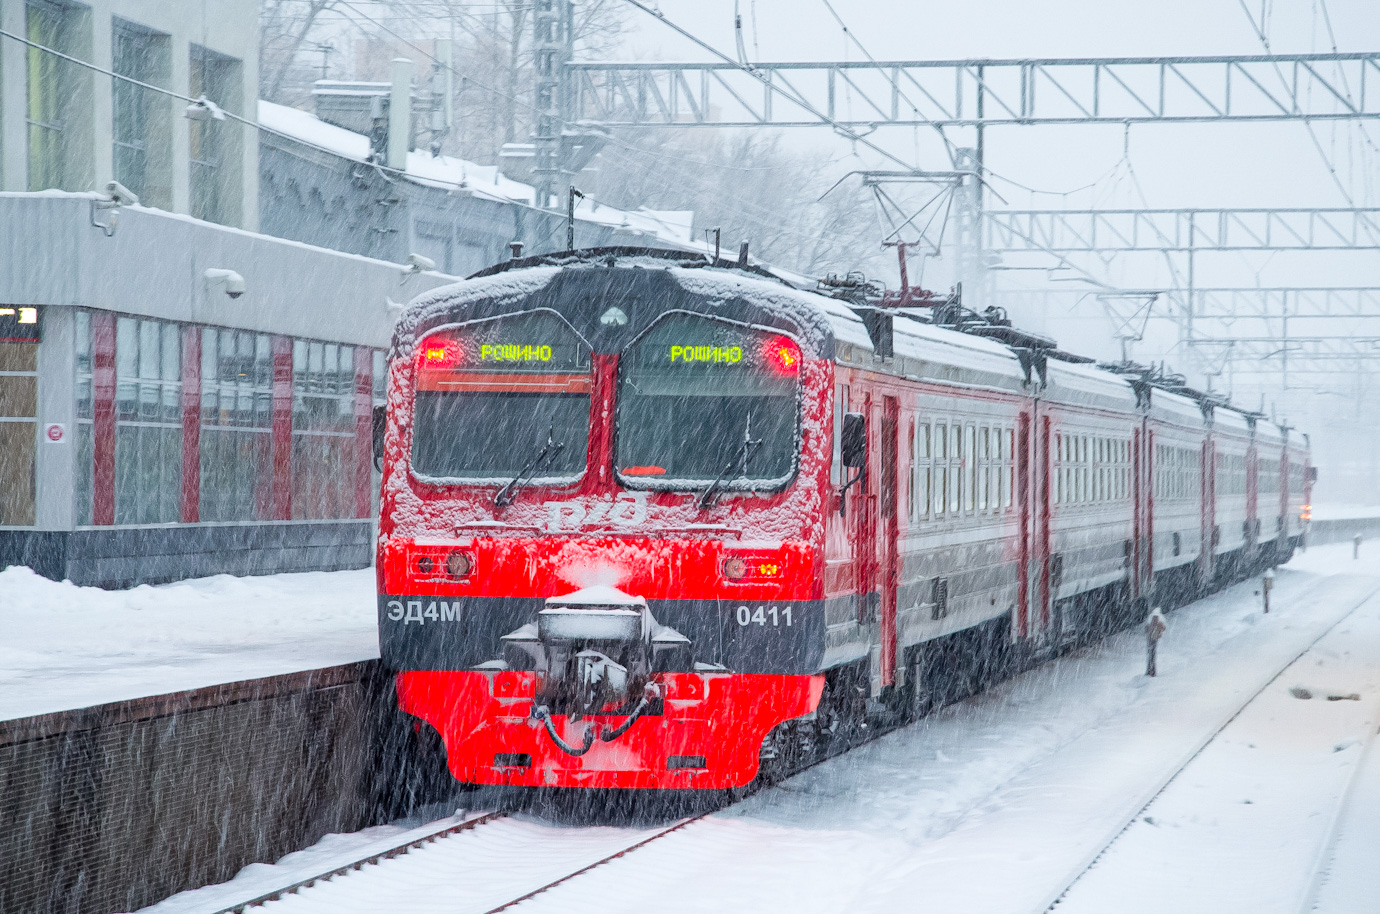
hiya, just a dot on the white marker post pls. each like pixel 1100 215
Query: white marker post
pixel 1155 627
pixel 1266 586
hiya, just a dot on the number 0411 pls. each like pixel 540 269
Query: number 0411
pixel 764 615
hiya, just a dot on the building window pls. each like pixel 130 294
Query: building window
pixel 141 123
pixel 52 84
pixel 18 431
pixel 236 425
pixel 323 430
pixel 148 422
pixel 214 169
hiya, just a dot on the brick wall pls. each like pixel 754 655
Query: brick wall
pixel 115 807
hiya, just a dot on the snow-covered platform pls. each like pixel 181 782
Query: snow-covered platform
pixel 67 647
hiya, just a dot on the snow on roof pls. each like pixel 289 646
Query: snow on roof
pixel 674 227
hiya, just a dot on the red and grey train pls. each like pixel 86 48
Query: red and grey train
pixel 648 521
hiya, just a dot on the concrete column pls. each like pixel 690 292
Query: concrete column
pixel 14 146
pixel 55 463
pixel 400 114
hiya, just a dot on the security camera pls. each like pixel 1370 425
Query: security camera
pixel 121 195
pixel 232 281
pixel 416 263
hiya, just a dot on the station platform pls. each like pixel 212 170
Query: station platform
pixel 69 647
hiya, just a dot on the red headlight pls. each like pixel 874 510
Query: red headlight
pixel 459 564
pixel 782 354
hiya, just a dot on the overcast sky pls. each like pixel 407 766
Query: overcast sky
pixel 1193 166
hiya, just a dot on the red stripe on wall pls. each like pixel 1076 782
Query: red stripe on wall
pixel 103 417
pixel 364 429
pixel 191 425
pixel 282 428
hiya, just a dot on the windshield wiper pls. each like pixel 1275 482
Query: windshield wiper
pixel 707 500
pixel 505 495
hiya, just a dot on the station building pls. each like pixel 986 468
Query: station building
pixel 179 398
pixel 187 382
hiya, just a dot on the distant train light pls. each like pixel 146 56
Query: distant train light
pixel 782 354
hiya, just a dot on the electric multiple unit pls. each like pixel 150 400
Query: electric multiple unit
pixel 648 521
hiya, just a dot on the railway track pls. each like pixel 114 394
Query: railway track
pixel 1062 887
pixel 387 853
pixel 575 862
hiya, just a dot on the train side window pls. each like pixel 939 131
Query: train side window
pixel 1008 476
pixel 1059 469
pixel 910 486
pixel 941 468
pixel 970 460
pixel 1097 470
pixel 921 483
pixel 1076 469
pixel 994 498
pixel 1081 444
pixel 955 468
pixel 985 462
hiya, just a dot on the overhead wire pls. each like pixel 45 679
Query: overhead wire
pixel 771 85
pixel 949 146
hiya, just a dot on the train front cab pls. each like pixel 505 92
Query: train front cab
pixel 621 587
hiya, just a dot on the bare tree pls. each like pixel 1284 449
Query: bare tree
pixel 284 28
pixel 753 187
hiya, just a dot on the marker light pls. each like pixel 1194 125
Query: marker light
pixel 431 563
pixel 745 568
pixel 782 354
pixel 439 352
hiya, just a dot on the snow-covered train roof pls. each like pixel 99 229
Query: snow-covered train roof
pixel 1176 409
pixel 827 326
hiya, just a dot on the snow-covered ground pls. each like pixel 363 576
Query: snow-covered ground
pixel 993 804
pixel 65 646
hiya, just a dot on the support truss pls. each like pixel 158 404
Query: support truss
pixel 955 93
pixel 1155 230
pixel 1226 304
pixel 1270 356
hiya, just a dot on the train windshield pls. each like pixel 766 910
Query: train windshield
pixel 501 397
pixel 701 399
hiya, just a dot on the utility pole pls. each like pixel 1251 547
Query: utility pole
pixel 552 21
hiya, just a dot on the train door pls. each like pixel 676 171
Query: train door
pixel 1024 487
pixel 1252 494
pixel 1209 509
pixel 865 561
pixel 1043 469
pixel 888 521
